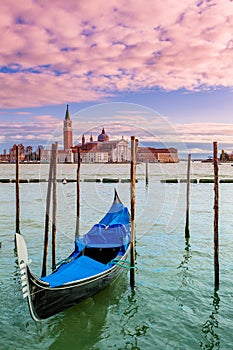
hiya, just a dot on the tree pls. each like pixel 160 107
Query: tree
pixel 29 153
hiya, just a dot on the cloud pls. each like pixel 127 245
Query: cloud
pixel 195 150
pixel 53 52
pixel 23 113
pixel 205 132
pixel 118 119
pixel 38 130
pixel 125 119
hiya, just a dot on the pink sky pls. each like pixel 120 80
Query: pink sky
pixel 100 47
pixel 54 52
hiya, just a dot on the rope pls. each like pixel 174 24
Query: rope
pixel 123 263
pixel 63 261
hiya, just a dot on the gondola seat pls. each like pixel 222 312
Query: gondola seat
pixel 76 269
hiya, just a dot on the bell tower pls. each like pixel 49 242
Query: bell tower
pixel 67 131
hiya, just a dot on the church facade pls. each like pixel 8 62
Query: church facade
pixel 104 150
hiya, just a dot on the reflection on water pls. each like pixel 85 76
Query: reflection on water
pixel 210 327
pixel 81 326
pixel 184 263
pixel 133 333
pixel 126 326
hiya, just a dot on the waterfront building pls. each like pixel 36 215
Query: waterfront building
pixel 103 150
pixel 65 156
pixel 5 157
pixel 161 155
pixel 167 155
pixel 94 156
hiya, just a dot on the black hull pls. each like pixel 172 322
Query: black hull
pixel 98 248
pixel 45 301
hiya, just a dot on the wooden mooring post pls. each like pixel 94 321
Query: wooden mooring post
pixel 54 218
pixel 133 204
pixel 187 232
pixel 78 197
pixel 147 176
pixel 216 215
pixel 17 224
pixel 47 216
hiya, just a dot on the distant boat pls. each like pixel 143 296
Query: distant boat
pixel 97 260
pixel 208 160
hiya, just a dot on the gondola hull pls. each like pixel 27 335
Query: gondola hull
pixel 97 260
pixel 45 301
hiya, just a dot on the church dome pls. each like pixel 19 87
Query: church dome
pixel 103 136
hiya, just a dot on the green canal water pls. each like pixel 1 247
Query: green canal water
pixel 174 305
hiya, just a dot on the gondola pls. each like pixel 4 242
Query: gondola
pixel 97 260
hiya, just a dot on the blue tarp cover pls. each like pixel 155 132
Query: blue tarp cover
pixel 82 267
pixel 117 214
pixel 112 231
pixel 106 236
